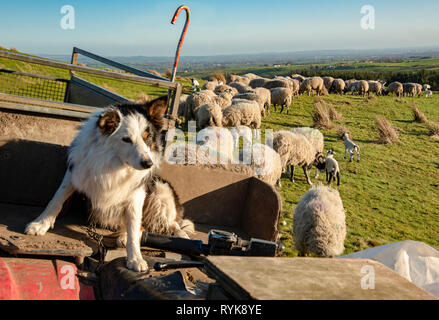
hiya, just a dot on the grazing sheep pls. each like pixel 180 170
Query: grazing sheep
pixel 281 97
pixel 312 84
pixel 332 168
pixel 196 100
pixel 253 96
pixel 338 86
pixel 298 77
pixel 315 137
pixel 360 86
pixel 210 85
pixel 225 88
pixel 375 87
pixel 350 146
pixel 241 131
pixel 294 150
pixel 426 87
pixel 258 83
pixel 264 161
pixel 409 89
pixel 246 114
pixel 319 223
pixel 327 81
pixel 277 83
pixel 348 85
pixel 236 78
pixel 242 88
pixel 182 107
pixel 265 95
pixel 209 114
pixel 418 89
pixel 396 88
pixel 428 93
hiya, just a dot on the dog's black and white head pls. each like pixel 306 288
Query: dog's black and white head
pixel 132 131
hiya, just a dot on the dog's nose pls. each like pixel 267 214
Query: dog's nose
pixel 146 164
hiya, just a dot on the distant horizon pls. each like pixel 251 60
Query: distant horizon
pixel 426 47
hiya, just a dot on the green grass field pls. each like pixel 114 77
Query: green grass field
pixel 391 195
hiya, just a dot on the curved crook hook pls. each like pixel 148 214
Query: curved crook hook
pixel 180 42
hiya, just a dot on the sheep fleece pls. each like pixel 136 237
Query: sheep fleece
pixel 319 223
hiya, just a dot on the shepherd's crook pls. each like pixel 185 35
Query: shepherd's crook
pixel 177 54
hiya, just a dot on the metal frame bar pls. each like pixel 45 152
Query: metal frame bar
pixel 113 63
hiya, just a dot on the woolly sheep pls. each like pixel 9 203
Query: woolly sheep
pixel 298 77
pixel 242 88
pixel 246 114
pixel 319 223
pixel 315 137
pixel 312 84
pixel 360 86
pixel 236 78
pixel 332 168
pixel 209 114
pixel 418 89
pixel 265 95
pixel 182 107
pixel 409 89
pixel 396 88
pixel 281 97
pixel 294 150
pixel 253 96
pixel 338 86
pixel 375 87
pixel 265 162
pixel 196 100
pixel 277 83
pixel 210 85
pixel 225 88
pixel 258 83
pixel 426 87
pixel 327 81
pixel 218 139
pixel 348 85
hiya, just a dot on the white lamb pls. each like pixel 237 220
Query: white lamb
pixel 428 93
pixel 350 146
pixel 319 223
pixel 332 168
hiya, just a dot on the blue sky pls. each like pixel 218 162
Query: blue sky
pixel 217 27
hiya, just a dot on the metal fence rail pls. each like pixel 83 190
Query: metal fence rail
pixel 33 86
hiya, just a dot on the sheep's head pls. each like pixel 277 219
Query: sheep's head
pixel 320 161
pixel 330 152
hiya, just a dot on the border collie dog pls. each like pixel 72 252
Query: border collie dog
pixel 113 161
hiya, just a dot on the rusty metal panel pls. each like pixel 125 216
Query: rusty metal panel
pixel 309 279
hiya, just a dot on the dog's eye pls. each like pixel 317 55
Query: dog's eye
pixel 127 140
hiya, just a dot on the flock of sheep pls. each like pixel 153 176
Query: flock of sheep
pixel 319 219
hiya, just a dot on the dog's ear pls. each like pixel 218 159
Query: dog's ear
pixel 156 109
pixel 108 121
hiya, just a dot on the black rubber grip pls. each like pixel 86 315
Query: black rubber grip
pixel 174 244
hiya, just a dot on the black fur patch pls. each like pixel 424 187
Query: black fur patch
pixel 108 121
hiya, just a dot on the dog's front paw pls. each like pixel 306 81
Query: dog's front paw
pixel 137 264
pixel 38 228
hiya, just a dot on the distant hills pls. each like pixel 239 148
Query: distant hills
pixel 194 63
